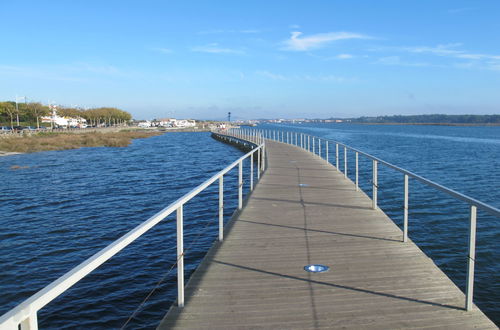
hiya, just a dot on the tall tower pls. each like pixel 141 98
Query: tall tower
pixel 229 116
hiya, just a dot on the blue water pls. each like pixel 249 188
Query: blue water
pixel 466 159
pixel 61 207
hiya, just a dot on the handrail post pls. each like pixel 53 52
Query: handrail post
pixel 259 166
pixel 240 185
pixel 374 185
pixel 405 211
pixel 180 257
pixel 319 148
pixel 357 170
pixel 327 151
pixel 302 140
pixel 263 158
pixel 345 162
pixel 314 146
pixel 309 143
pixel 337 156
pixel 221 208
pixel 471 260
pixel 251 172
pixel 30 323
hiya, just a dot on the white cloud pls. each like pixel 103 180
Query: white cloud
pixel 315 41
pixel 396 60
pixel 315 78
pixel 344 56
pixel 220 31
pixel 460 10
pixel 214 48
pixel 77 72
pixel 250 31
pixel 163 50
pixel 451 51
pixel 272 76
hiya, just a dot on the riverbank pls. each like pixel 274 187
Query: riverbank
pixel 63 141
pixel 429 124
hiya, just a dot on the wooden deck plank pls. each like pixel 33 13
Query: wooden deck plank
pixel 255 278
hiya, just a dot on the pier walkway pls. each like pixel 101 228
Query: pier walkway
pixel 303 211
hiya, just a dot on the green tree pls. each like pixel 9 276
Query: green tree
pixel 37 110
pixel 9 109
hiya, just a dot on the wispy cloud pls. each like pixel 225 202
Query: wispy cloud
pixel 271 75
pixel 344 56
pixel 397 61
pixel 315 41
pixel 479 60
pixel 460 10
pixel 214 48
pixel 317 78
pixel 221 31
pixel 65 72
pixel 163 50
pixel 451 51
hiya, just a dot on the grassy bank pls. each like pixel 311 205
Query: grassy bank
pixel 62 141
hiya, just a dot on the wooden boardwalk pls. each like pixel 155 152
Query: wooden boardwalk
pixel 302 212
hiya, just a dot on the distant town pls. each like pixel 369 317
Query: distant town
pixel 16 116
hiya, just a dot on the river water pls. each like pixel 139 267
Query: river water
pixel 58 208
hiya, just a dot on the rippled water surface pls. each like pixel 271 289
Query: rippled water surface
pixel 58 208
pixel 466 159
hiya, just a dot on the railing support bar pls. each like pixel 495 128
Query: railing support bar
pixel 337 156
pixel 221 208
pixel 180 257
pixel 251 172
pixel 259 166
pixel 345 162
pixel 240 185
pixel 374 185
pixel 31 323
pixel 471 258
pixel 327 151
pixel 356 160
pixel 405 210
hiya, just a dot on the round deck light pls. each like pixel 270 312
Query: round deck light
pixel 303 185
pixel 316 268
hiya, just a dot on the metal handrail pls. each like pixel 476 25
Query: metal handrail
pixel 303 141
pixel 24 315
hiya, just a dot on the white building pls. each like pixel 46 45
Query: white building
pixel 144 124
pixel 57 121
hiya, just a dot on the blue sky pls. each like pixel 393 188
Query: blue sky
pixel 257 59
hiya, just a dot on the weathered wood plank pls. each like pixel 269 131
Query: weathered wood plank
pixel 255 278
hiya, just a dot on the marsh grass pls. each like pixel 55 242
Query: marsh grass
pixel 63 141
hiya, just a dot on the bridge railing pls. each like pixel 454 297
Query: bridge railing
pixel 316 145
pixel 24 316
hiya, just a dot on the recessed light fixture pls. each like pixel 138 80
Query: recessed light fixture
pixel 316 268
pixel 303 185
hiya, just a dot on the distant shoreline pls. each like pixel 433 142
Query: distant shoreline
pixel 427 124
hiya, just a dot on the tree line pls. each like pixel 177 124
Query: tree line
pixel 33 111
pixel 431 119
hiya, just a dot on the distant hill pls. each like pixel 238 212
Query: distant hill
pixel 431 119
